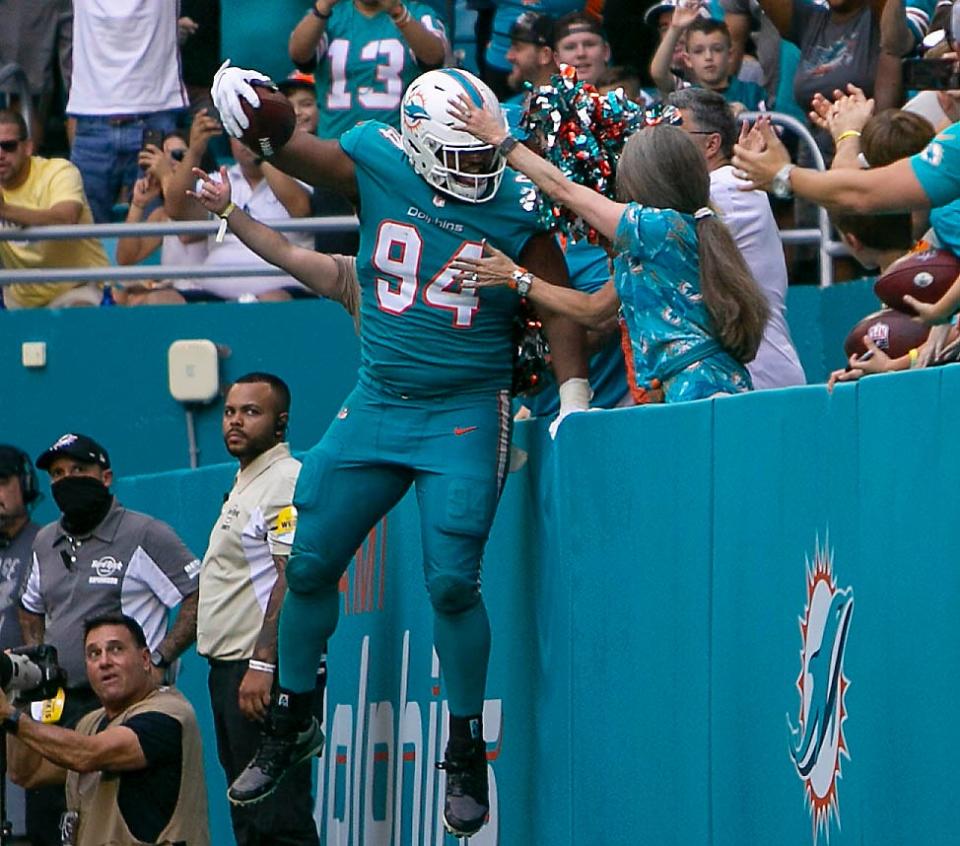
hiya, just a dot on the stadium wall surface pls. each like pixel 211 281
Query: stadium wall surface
pixel 671 590
pixel 106 372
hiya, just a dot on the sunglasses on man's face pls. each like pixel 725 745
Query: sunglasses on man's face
pixel 10 146
pixel 177 155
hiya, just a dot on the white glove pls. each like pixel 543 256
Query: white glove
pixel 575 395
pixel 229 85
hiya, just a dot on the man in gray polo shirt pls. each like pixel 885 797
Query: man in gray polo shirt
pixel 99 558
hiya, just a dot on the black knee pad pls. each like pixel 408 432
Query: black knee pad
pixel 453 594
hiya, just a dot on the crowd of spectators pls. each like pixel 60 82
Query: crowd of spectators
pixel 133 144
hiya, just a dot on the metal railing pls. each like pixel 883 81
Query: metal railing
pixel 821 235
pixel 14 73
pixel 334 224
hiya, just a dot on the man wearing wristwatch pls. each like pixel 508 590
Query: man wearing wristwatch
pixel 242 584
pixel 99 558
pixel 364 54
pixel 132 768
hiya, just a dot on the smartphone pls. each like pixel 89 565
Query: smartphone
pixel 152 136
pixel 931 74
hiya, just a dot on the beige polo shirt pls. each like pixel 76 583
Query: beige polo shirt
pixel 238 573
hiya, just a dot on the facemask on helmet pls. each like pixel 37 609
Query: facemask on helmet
pixel 450 160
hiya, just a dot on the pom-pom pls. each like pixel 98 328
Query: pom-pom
pixel 582 132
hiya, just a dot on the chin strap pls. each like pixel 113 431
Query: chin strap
pixel 575 395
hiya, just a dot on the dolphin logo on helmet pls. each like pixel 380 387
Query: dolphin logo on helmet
pixel 449 159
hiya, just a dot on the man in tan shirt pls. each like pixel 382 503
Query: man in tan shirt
pixel 35 191
pixel 133 769
pixel 241 589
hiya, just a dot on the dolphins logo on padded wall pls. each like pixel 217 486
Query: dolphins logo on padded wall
pixel 817 742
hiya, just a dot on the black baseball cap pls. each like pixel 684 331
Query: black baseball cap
pixel 577 22
pixel 533 28
pixel 80 447
pixel 298 79
pixel 11 461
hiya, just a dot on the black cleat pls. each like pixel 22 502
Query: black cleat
pixel 277 754
pixel 467 801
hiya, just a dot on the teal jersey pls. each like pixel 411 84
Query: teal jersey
pixel 422 334
pixel 937 167
pixel 751 95
pixel 364 67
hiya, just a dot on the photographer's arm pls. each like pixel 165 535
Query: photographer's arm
pixel 28 768
pixel 115 749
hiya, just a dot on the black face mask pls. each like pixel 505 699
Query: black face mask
pixel 83 500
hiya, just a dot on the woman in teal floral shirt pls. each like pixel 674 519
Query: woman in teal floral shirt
pixel 694 315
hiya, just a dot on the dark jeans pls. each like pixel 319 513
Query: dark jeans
pixel 105 151
pixel 45 805
pixel 285 818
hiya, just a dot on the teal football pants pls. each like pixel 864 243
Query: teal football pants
pixel 455 451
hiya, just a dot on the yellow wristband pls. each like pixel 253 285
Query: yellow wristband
pixel 230 209
pixel 914 355
pixel 850 133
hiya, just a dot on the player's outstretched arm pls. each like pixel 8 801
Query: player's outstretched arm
pixel 317 271
pixel 319 162
pixel 602 214
pixel 567 339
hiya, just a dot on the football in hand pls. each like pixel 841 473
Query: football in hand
pixel 892 331
pixel 925 275
pixel 271 124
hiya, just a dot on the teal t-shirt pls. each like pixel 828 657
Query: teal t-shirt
pixel 750 94
pixel 365 65
pixel 422 334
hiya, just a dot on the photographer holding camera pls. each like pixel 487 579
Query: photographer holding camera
pixel 133 769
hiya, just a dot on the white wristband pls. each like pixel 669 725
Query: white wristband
pixel 575 395
pixel 261 666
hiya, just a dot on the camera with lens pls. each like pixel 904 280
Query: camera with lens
pixel 31 673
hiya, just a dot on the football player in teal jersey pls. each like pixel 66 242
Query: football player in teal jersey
pixel 366 53
pixel 431 408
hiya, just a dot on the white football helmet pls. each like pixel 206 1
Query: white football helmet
pixel 451 160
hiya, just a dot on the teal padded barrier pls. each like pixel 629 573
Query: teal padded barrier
pixel 646 578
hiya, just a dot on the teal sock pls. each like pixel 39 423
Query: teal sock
pixel 307 620
pixel 463 644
